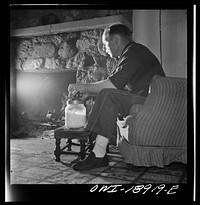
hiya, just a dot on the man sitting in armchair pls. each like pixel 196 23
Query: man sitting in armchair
pixel 128 85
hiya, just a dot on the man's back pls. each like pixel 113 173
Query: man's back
pixel 136 68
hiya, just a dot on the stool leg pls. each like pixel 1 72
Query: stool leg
pixel 107 148
pixel 69 141
pixel 57 150
pixel 82 151
pixel 91 143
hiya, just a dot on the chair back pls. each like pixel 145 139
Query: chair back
pixel 163 119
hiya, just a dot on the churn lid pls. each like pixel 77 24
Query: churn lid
pixel 75 102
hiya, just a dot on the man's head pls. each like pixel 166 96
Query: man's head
pixel 115 38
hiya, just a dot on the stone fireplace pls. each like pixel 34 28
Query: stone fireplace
pixel 45 59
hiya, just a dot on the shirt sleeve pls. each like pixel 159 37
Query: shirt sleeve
pixel 126 70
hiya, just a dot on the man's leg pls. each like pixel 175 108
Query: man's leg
pixel 110 102
pixel 102 120
pixel 100 146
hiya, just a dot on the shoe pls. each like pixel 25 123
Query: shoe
pixel 91 162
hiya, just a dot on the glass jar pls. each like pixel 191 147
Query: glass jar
pixel 75 114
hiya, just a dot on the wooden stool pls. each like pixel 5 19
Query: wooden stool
pixel 84 137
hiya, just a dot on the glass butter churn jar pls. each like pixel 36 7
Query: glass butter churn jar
pixel 75 113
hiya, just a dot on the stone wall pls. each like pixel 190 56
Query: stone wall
pixel 73 50
pixel 81 50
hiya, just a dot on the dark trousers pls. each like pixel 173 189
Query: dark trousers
pixel 109 103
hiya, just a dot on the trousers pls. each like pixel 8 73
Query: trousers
pixel 108 105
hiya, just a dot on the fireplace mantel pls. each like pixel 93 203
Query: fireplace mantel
pixel 94 23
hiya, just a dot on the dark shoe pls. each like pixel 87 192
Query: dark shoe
pixel 91 162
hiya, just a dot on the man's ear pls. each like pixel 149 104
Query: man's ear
pixel 117 39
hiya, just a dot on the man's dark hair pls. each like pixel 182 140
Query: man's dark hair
pixel 121 30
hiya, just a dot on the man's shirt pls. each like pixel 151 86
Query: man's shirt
pixel 137 66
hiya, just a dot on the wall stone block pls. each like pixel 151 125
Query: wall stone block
pixel 51 63
pixel 66 51
pixel 45 50
pixel 32 64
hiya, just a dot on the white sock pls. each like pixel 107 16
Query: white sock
pixel 100 146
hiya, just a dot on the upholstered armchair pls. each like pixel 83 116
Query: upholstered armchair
pixel 155 133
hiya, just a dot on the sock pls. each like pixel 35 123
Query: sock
pixel 100 146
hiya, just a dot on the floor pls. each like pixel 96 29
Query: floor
pixel 32 161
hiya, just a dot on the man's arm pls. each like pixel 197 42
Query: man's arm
pixel 94 87
pixel 98 86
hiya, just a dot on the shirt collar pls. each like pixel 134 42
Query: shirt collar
pixel 126 46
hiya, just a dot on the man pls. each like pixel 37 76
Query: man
pixel 128 85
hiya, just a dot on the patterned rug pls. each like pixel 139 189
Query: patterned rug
pixel 120 172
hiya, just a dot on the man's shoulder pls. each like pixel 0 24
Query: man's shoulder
pixel 132 46
pixel 136 45
pixel 133 49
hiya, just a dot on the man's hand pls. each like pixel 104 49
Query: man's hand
pixel 74 88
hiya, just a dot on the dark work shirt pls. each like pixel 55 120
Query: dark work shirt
pixel 137 66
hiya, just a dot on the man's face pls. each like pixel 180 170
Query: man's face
pixel 110 47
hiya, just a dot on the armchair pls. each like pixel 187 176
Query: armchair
pixel 155 133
